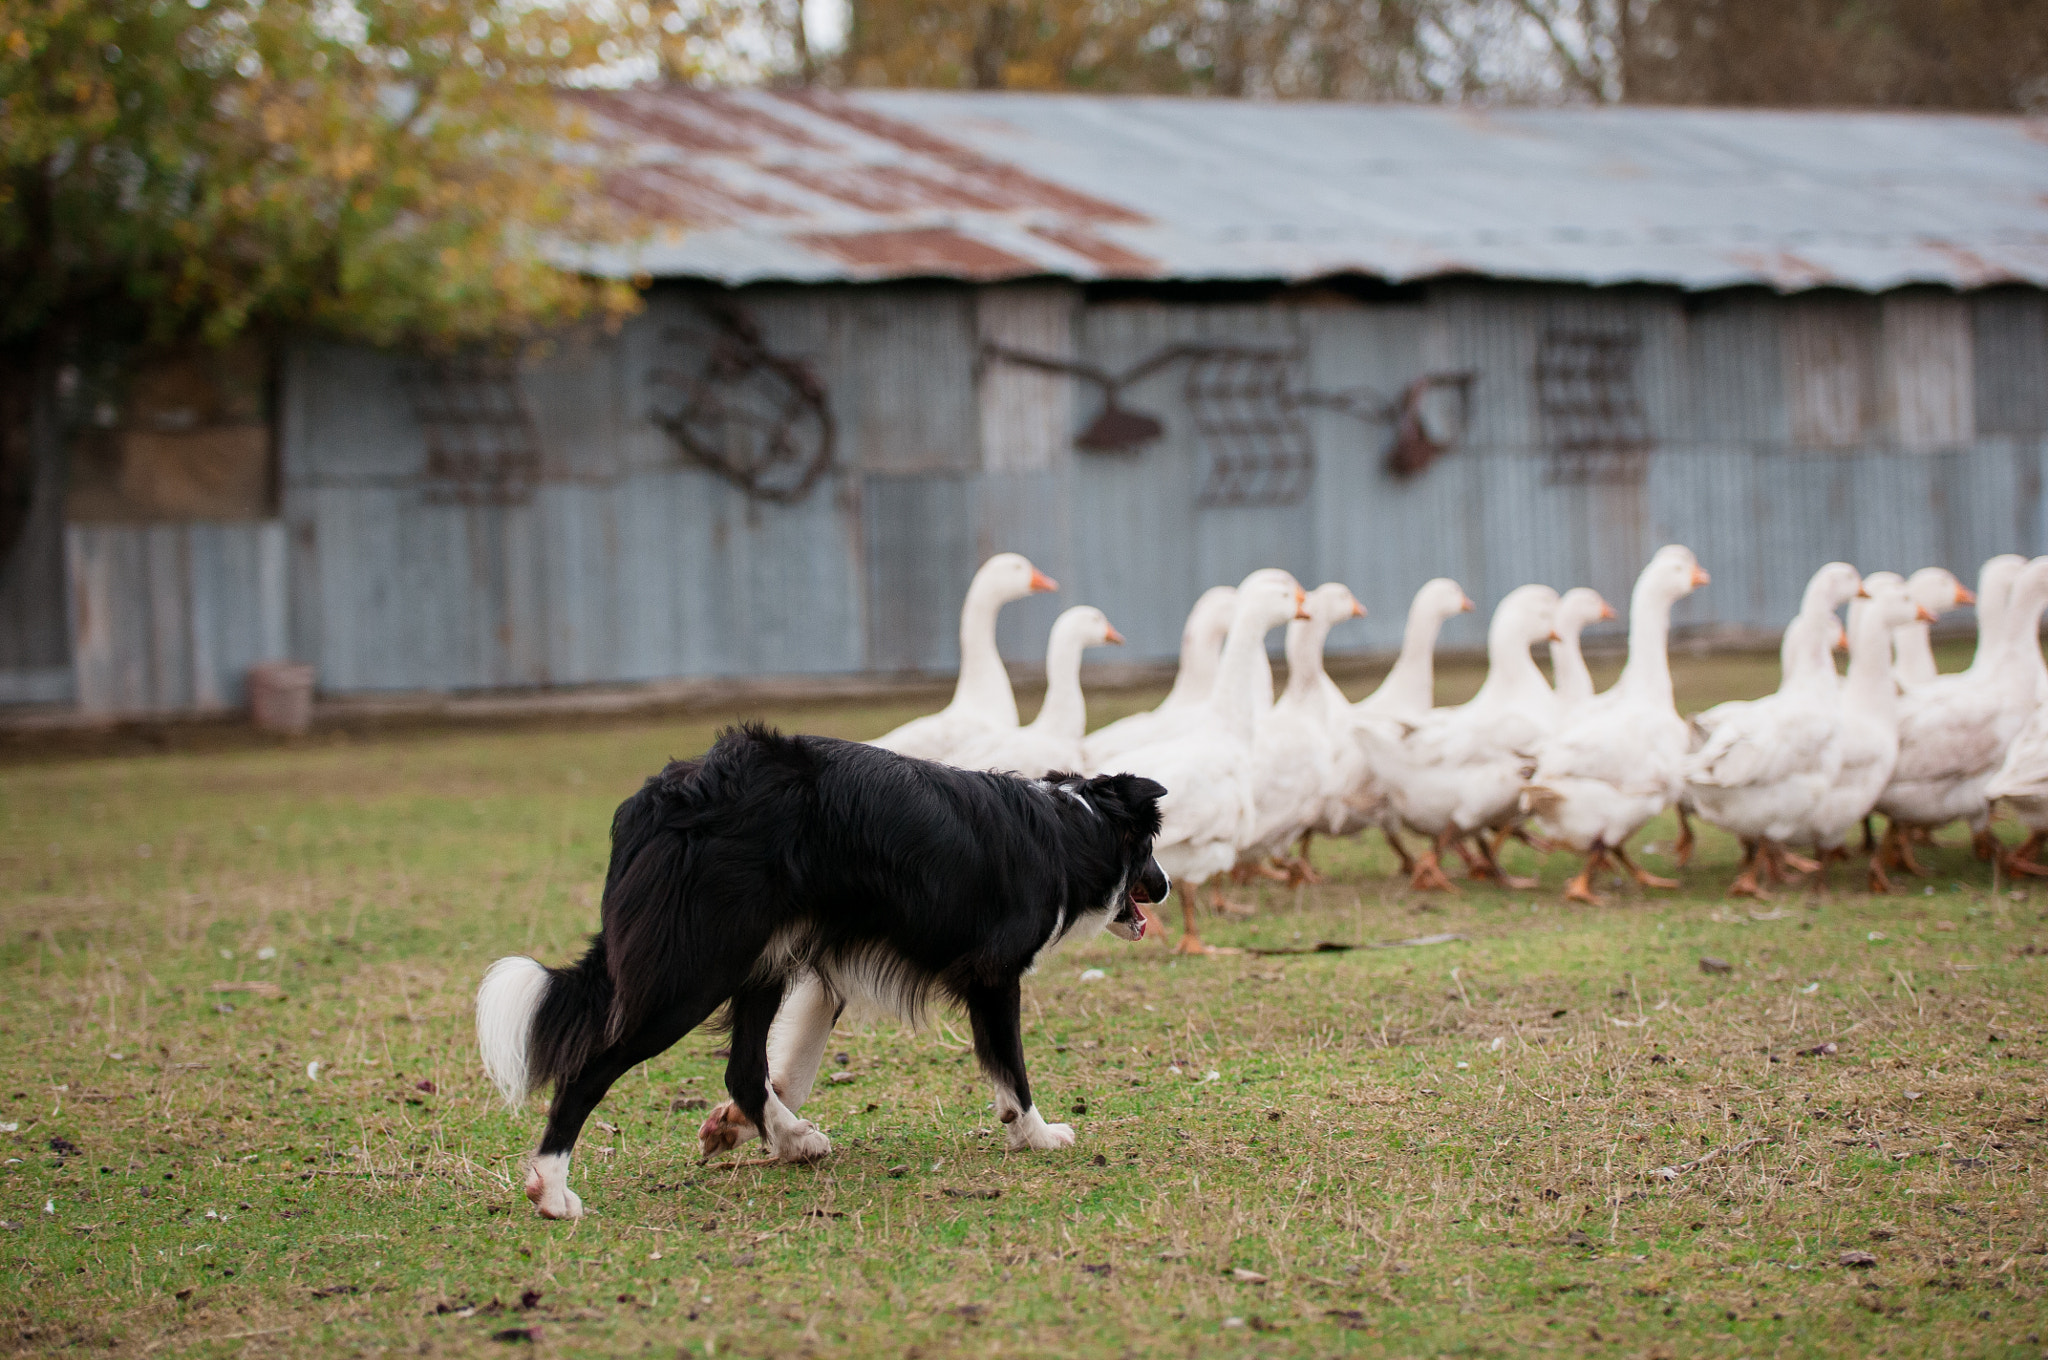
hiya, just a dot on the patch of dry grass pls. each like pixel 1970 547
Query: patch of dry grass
pixel 1554 1133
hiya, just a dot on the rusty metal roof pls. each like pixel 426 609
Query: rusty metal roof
pixel 759 185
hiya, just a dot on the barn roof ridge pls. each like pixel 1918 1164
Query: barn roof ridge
pixel 813 186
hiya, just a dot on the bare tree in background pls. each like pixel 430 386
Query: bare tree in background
pixel 1960 54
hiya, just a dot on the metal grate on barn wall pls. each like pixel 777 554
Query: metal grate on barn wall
pixel 1594 425
pixel 481 445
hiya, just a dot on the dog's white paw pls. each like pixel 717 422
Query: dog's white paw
pixel 802 1141
pixel 1031 1131
pixel 550 1192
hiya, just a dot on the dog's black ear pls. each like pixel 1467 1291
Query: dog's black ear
pixel 1129 800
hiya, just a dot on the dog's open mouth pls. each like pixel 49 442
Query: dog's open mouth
pixel 1130 923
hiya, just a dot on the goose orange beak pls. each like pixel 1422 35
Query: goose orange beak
pixel 1467 606
pixel 1357 610
pixel 1965 595
pixel 1554 636
pixel 1841 638
pixel 1923 613
pixel 1607 611
pixel 1861 593
pixel 1300 603
pixel 1700 577
pixel 1041 583
pixel 1113 637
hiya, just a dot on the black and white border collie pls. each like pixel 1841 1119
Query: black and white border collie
pixel 863 876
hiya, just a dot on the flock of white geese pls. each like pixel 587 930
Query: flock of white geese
pixel 1251 776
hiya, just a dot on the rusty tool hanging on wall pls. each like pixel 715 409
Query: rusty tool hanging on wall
pixel 756 418
pixel 1247 406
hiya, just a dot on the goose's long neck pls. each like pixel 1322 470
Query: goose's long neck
pixel 1648 671
pixel 1511 672
pixel 1065 710
pixel 1200 656
pixel 1305 641
pixel 1239 678
pixel 2020 647
pixel 983 682
pixel 1913 652
pixel 1569 675
pixel 1411 684
pixel 1870 686
pixel 1806 655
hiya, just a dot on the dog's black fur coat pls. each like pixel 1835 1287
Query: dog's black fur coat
pixel 771 855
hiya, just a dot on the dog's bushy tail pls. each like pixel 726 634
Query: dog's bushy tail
pixel 536 1025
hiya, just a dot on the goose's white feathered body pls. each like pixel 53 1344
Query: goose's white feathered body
pixel 1052 740
pixel 1407 693
pixel 1621 760
pixel 1201 653
pixel 1761 764
pixel 1459 769
pixel 1209 812
pixel 982 698
pixel 1298 754
pixel 1955 731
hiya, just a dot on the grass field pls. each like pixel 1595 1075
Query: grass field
pixel 242 1113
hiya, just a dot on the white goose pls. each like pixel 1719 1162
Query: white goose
pixel 1768 762
pixel 1867 730
pixel 1935 590
pixel 1208 813
pixel 1955 731
pixel 1295 754
pixel 1570 680
pixel 1052 740
pixel 1806 660
pixel 1407 692
pixel 1453 771
pixel 1621 760
pixel 982 701
pixel 1201 649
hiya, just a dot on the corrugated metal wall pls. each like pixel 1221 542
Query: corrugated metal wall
pixel 168 618
pixel 1893 433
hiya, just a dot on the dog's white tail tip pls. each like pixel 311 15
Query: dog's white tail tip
pixel 507 1001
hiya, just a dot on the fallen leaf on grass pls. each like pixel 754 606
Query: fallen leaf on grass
pixel 335 1290
pixel 1710 964
pixel 1856 1260
pixel 1243 1276
pixel 1818 1050
pixel 517 1334
pixel 1353 1318
pixel 950 1193
pixel 269 991
pixel 1418 942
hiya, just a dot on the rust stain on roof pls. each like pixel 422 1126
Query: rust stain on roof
pixel 1105 254
pixel 662 117
pixel 1783 268
pixel 930 250
pixel 1974 268
pixel 1003 185
pixel 670 193
pixel 741 114
pixel 885 188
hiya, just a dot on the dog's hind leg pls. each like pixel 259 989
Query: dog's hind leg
pixel 796 1049
pixel 999 1047
pixel 747 1078
pixel 547 1179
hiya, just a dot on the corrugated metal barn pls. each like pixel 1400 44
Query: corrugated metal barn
pixel 1150 343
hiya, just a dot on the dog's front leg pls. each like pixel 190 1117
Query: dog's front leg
pixel 999 1046
pixel 796 1049
pixel 746 1077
